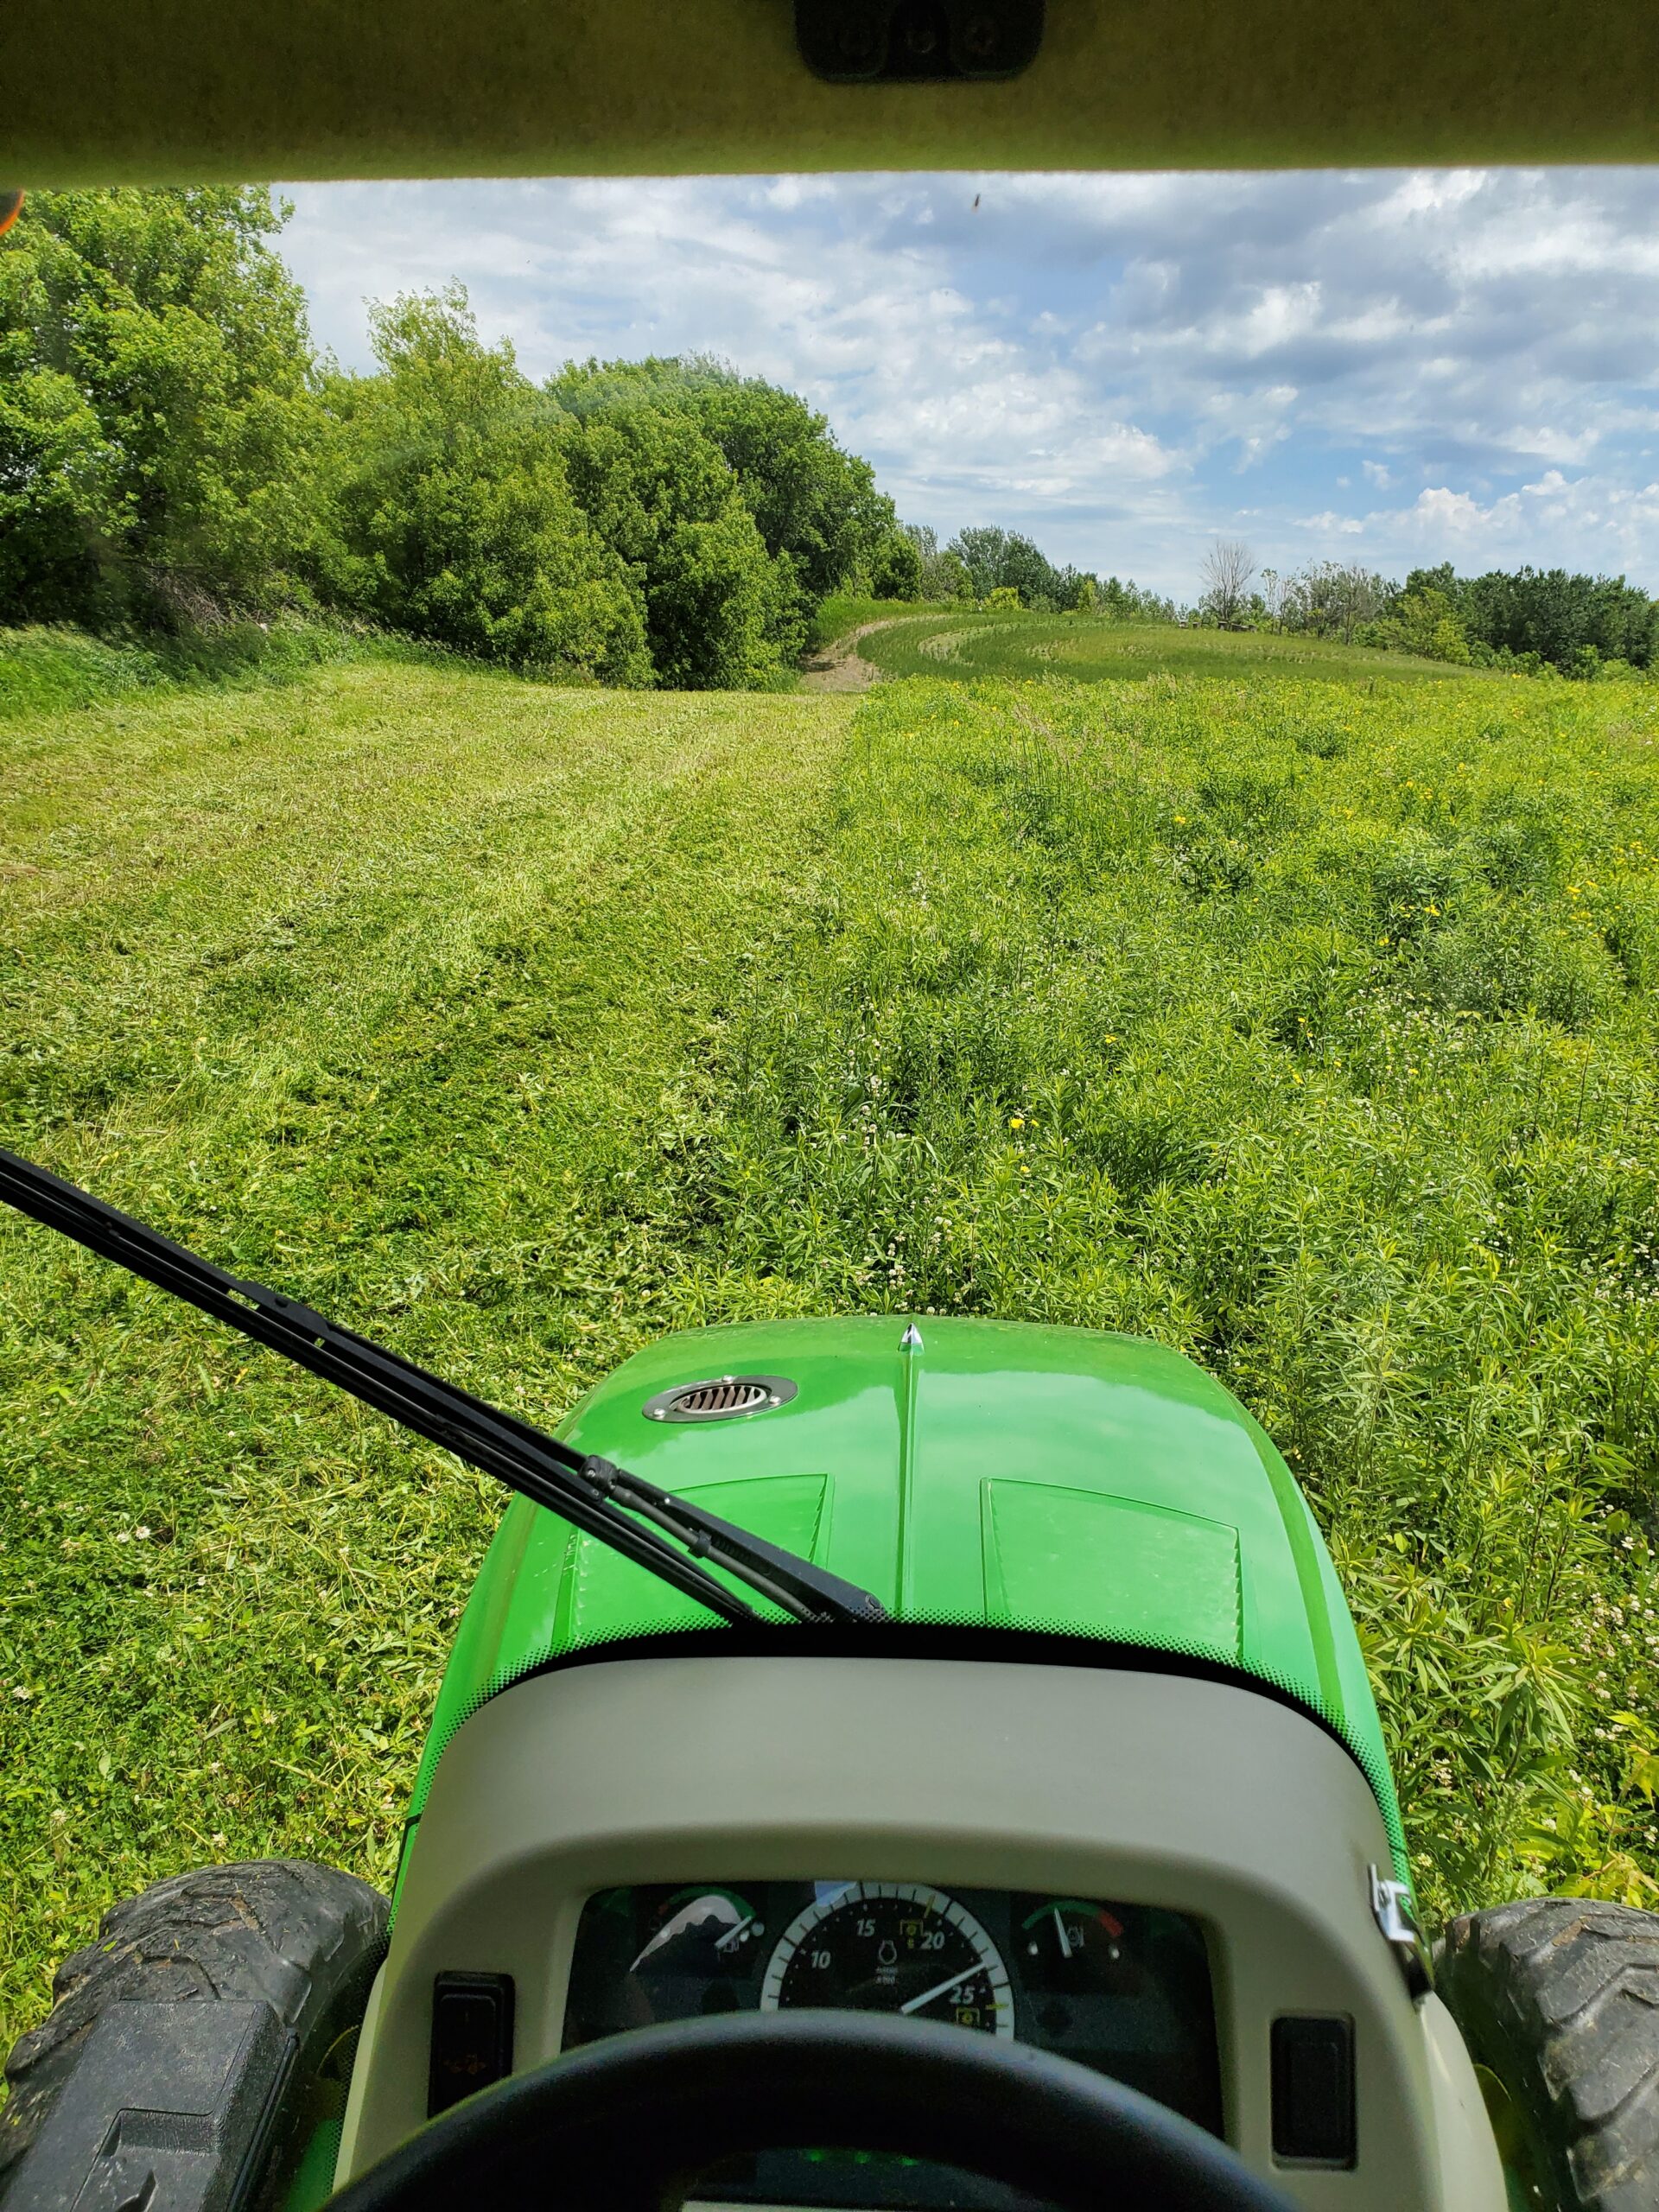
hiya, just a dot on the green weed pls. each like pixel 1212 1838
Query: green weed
pixel 842 613
pixel 46 669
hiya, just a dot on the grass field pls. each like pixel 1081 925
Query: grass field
pixel 1309 1029
pixel 973 641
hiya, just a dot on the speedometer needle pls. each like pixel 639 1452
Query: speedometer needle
pixel 939 1989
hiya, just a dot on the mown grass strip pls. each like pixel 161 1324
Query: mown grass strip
pixel 971 642
pixel 400 986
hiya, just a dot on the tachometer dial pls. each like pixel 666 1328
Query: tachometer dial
pixel 891 1947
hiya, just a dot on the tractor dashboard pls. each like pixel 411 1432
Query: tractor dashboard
pixel 1123 1988
pixel 1168 1878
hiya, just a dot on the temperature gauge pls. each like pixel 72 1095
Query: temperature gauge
pixel 661 1952
pixel 708 1932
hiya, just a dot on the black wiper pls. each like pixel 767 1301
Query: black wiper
pixel 589 1492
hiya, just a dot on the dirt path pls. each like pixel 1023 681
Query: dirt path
pixel 840 667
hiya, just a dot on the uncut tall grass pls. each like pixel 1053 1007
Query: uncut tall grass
pixel 1314 1034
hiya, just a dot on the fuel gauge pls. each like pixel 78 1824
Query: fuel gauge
pixel 1072 1947
pixel 1126 1989
pixel 661 1952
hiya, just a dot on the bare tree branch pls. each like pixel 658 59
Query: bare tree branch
pixel 1228 567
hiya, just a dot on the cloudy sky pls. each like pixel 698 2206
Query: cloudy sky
pixel 1397 367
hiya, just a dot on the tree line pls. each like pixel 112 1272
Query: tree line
pixel 173 453
pixel 1525 620
pixel 175 458
pixel 1000 568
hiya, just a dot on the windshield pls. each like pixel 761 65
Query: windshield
pixel 586 758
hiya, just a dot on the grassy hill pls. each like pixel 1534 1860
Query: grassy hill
pixel 1308 1028
pixel 1091 649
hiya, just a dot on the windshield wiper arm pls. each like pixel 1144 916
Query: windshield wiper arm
pixel 587 1492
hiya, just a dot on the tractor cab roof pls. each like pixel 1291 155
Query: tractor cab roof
pixel 108 92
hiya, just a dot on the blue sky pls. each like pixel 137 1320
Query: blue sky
pixel 1390 366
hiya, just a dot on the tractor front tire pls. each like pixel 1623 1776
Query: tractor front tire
pixel 1558 1999
pixel 302 1939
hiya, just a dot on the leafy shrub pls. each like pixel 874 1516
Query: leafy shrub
pixel 719 614
pixel 1414 880
pixel 455 516
pixel 1504 959
pixel 157 427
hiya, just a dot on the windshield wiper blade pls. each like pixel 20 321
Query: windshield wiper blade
pixel 594 1496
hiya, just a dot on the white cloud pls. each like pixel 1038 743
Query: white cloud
pixel 1444 510
pixel 1428 192
pixel 1588 521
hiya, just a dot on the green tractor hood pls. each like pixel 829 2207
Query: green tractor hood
pixel 971 1473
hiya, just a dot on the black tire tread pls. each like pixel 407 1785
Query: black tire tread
pixel 1559 1998
pixel 304 1938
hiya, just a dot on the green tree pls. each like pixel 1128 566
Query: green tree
pixel 1551 612
pixel 815 507
pixel 157 423
pixel 1425 621
pixel 942 575
pixel 896 568
pixel 455 516
pixel 1129 602
pixel 719 614
pixel 1002 559
pixel 980 550
pixel 810 499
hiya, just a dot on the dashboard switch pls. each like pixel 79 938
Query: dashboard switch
pixel 1313 2089
pixel 472 2036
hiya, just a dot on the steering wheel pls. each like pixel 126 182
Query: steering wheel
pixel 629 2123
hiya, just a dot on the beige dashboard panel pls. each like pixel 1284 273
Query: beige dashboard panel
pixel 1140 1787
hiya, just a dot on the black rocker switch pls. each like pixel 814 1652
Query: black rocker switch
pixel 1313 2089
pixel 472 2036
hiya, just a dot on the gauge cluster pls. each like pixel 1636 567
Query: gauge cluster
pixel 1122 1988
